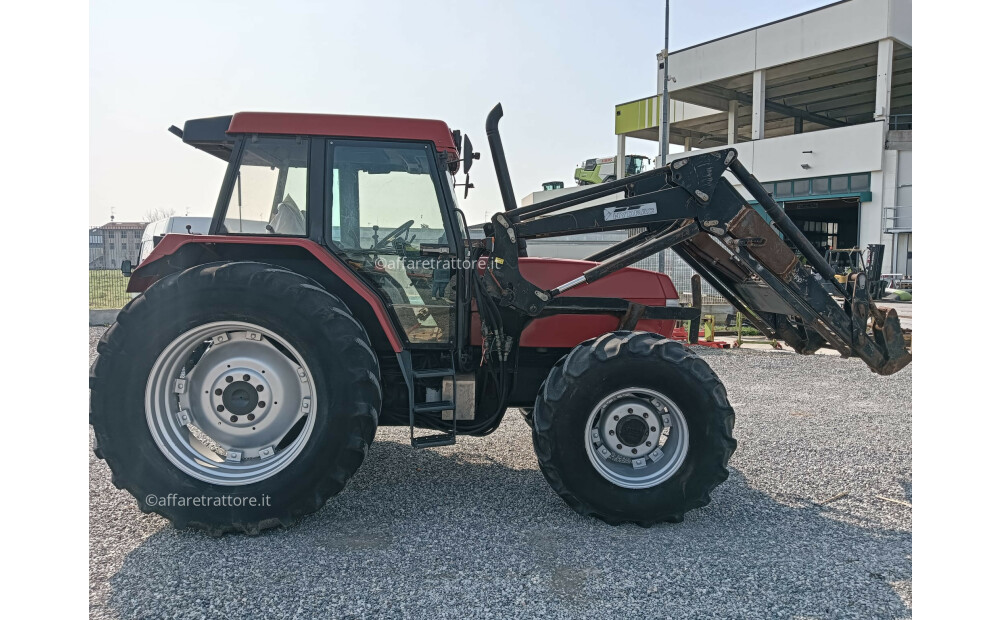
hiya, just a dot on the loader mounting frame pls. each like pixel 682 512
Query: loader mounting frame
pixel 692 208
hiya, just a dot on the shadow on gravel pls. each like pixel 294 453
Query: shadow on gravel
pixel 452 534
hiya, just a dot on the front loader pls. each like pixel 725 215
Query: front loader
pixel 338 289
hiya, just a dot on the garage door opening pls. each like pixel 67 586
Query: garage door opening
pixel 827 224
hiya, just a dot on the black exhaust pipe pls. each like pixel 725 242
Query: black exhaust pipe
pixel 500 165
pixel 499 159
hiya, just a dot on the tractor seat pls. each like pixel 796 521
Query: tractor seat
pixel 287 219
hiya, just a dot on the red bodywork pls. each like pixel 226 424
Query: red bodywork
pixel 563 331
pixel 568 330
pixel 347 126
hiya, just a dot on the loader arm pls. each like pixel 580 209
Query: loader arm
pixel 690 207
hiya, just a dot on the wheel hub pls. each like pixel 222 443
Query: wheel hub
pixel 240 398
pixel 240 392
pixel 632 431
pixel 631 428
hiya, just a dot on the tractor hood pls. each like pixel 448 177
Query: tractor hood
pixel 566 331
pixel 639 285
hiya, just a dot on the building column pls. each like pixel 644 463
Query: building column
pixel 759 89
pixel 883 80
pixel 734 110
pixel 620 159
pixel 890 184
pixel 687 144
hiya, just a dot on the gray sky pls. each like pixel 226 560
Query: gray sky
pixel 558 68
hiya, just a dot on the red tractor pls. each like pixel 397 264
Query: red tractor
pixel 338 289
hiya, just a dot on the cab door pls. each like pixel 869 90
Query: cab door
pixel 386 207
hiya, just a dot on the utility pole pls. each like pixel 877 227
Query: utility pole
pixel 665 100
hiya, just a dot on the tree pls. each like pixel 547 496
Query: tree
pixel 158 213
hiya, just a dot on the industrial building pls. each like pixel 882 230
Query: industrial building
pixel 819 108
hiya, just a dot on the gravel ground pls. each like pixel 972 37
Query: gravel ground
pixel 473 530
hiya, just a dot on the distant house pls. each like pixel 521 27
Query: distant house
pixel 114 242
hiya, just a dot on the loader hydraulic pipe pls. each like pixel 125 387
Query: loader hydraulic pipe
pixel 784 223
pixel 562 202
pixel 626 258
pixel 621 246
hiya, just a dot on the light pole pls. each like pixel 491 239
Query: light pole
pixel 664 113
pixel 665 100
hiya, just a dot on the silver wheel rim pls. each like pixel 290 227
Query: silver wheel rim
pixel 636 438
pixel 230 403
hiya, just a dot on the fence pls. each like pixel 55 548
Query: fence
pixel 901 122
pixel 107 289
pixel 680 274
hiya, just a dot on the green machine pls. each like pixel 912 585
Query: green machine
pixel 602 170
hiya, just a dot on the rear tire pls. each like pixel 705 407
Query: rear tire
pixel 153 454
pixel 659 377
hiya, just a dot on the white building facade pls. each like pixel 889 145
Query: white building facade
pixel 818 107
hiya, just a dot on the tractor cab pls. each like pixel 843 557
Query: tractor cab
pixel 378 192
pixel 635 164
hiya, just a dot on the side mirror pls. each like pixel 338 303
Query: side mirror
pixel 467 154
pixel 126 268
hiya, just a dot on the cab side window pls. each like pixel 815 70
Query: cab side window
pixel 270 193
pixel 381 190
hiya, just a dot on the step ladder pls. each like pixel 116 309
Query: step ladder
pixel 446 438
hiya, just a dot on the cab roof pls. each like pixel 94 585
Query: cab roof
pixel 215 135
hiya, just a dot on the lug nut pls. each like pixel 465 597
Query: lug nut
pixel 250 416
pixel 246 377
pixel 229 379
pixel 218 391
pixel 634 450
pixel 652 428
pixel 220 408
pixel 233 419
pixel 619 446
pixel 630 410
pixel 648 444
pixel 645 415
pixel 261 404
pixel 611 432
pixel 616 418
pixel 260 388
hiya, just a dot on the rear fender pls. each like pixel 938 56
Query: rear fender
pixel 178 252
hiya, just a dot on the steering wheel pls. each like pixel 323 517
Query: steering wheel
pixel 387 240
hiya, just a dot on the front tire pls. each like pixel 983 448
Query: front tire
pixel 633 427
pixel 234 397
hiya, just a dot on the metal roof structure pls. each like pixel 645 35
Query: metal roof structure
pixel 832 90
pixel 820 71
